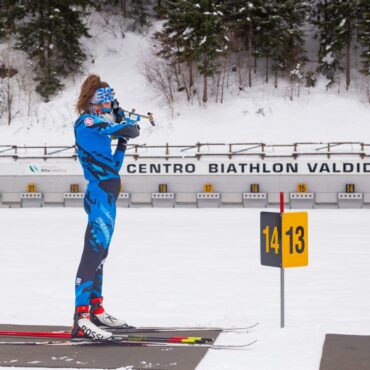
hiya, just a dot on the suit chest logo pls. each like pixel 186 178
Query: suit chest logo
pixel 88 121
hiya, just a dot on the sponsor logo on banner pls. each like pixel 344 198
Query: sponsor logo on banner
pixel 34 168
pixel 46 169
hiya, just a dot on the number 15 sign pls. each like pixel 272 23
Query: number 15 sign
pixel 284 239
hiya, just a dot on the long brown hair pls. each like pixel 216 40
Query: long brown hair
pixel 88 88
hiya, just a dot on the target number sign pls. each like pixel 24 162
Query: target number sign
pixel 284 239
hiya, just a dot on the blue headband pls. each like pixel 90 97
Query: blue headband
pixel 103 95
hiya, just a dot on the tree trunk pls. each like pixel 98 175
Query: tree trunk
pixel 186 87
pixel 240 69
pixel 9 92
pixel 348 56
pixel 223 78
pixel 250 55
pixel 276 77
pixel 177 70
pixel 41 36
pixel 205 88
pixel 191 75
pixel 255 65
pixel 10 21
pixel 267 70
pixel 49 41
pixel 9 99
pixel 218 87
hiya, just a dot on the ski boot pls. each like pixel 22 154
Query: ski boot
pixel 100 318
pixel 84 328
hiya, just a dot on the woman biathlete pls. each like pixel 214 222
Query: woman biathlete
pixel 93 130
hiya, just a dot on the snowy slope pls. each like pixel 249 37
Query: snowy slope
pixel 261 114
pixel 196 267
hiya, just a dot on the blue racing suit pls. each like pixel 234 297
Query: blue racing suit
pixel 101 169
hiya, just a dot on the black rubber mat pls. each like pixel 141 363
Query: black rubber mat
pixel 346 352
pixel 97 356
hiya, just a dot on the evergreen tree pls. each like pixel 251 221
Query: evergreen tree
pixel 49 33
pixel 177 41
pixel 335 20
pixel 210 39
pixel 111 5
pixel 194 33
pixel 328 54
pixel 10 11
pixel 269 38
pixel 289 50
pixel 160 8
pixel 273 29
pixel 347 10
pixel 140 11
pixel 364 34
pixel 244 18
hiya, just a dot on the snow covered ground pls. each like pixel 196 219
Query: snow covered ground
pixel 196 267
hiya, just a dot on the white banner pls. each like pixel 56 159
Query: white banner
pixel 186 167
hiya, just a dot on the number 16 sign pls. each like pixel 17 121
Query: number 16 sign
pixel 284 239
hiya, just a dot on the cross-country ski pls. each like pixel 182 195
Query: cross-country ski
pixel 129 342
pixel 149 329
pixel 225 329
pixel 114 338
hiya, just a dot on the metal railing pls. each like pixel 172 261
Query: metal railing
pixel 201 151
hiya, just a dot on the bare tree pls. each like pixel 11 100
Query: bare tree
pixel 160 76
pixel 25 87
pixel 224 71
pixel 9 96
pixel 8 85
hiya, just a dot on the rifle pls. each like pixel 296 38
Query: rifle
pixel 119 117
